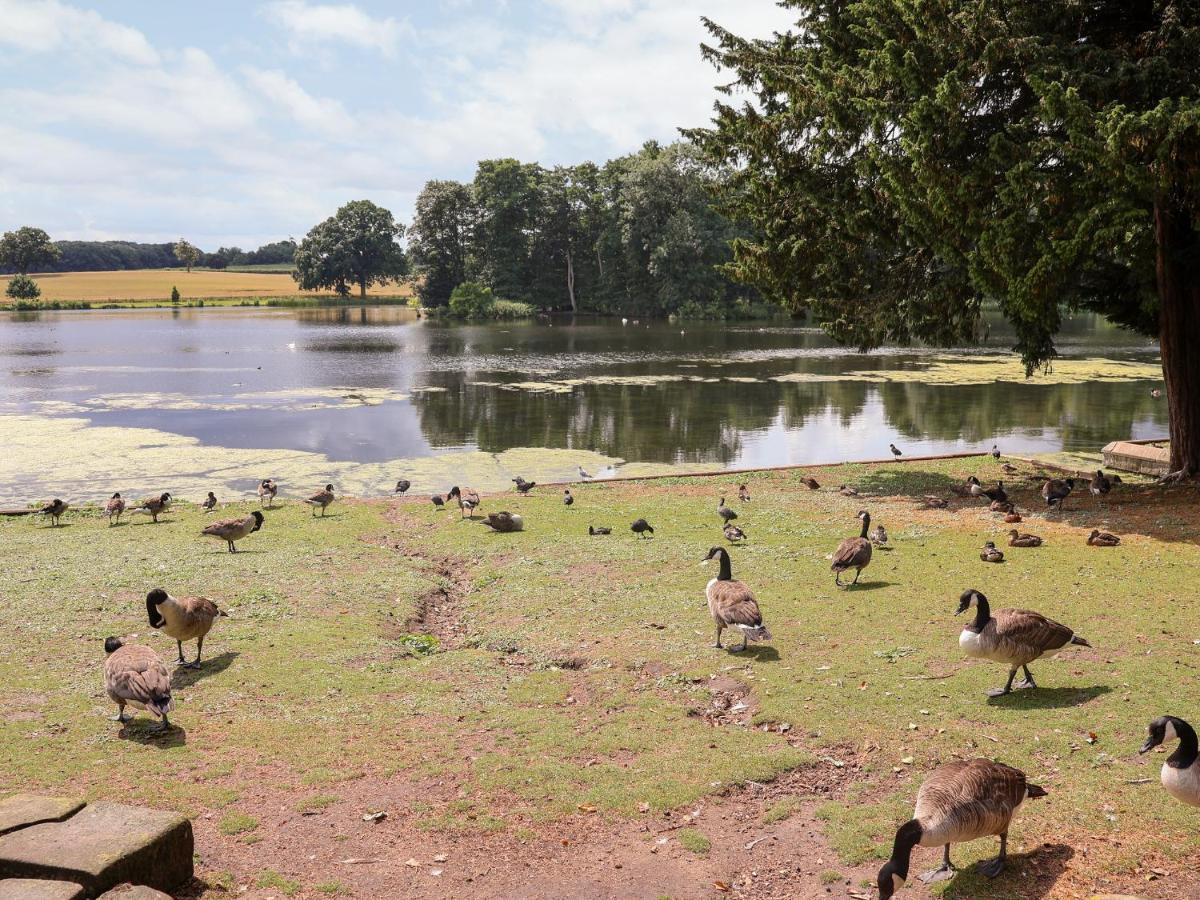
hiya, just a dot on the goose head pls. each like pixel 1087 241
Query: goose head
pixel 1160 731
pixel 714 553
pixel 153 599
pixel 112 644
pixel 258 520
pixel 970 597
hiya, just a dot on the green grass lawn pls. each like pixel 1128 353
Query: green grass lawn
pixel 570 670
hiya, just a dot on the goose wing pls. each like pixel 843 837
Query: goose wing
pixel 734 603
pixel 968 799
pixel 137 674
pixel 852 552
pixel 1031 629
pixel 225 528
pixel 199 607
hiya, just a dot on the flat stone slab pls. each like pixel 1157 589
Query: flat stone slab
pixel 29 889
pixel 23 810
pixel 133 892
pixel 101 846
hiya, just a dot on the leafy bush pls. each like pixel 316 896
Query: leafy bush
pixel 471 300
pixel 511 309
pixel 174 294
pixel 22 287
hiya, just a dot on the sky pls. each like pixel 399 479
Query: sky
pixel 237 123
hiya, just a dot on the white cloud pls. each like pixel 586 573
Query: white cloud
pixel 315 23
pixel 46 25
pixel 319 114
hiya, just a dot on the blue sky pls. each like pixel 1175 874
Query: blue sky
pixel 243 122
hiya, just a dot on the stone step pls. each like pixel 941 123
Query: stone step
pixel 23 810
pixel 134 892
pixel 29 889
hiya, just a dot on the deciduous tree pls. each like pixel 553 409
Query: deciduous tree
pixel 26 249
pixel 187 253
pixel 359 244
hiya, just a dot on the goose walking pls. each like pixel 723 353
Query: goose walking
pixel 1055 491
pixel 438 501
pixel 153 506
pixel 726 514
pixel 113 509
pixel 853 553
pixel 183 618
pixel 641 528
pixel 321 500
pixel 53 510
pixel 582 474
pixel 135 676
pixel 523 486
pixel 995 453
pixel 467 499
pixel 233 530
pixel 732 604
pixel 1180 773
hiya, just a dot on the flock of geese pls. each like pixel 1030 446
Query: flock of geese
pixel 959 801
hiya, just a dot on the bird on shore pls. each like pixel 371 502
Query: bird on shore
pixel 997 494
pixel 641 528
pixel 113 508
pixel 846 491
pixel 1180 774
pixel 210 502
pixel 726 514
pixel 467 499
pixel 895 452
pixel 53 510
pixel 153 506
pixel 991 554
pixel 1020 539
pixel 438 501
pixel 582 474
pixel 1055 491
pixel 1014 637
pixel 321 500
pixel 879 535
pixel 1009 469
pixel 852 553
pixel 1100 538
pixel 995 452
pixel 599 530
pixel 402 486
pixel 732 604
pixel 568 497
pixel 733 534
pixel 932 502
pixel 959 801
pixel 743 493
pixel 1100 484
pixel 232 530
pixel 504 522
pixel 183 618
pixel 523 486
pixel 974 488
pixel 267 489
pixel 135 676
pixel 811 483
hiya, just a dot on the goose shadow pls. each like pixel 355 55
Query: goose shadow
pixel 1050 698
pixel 214 665
pixel 238 552
pixel 1042 867
pixel 146 731
pixel 757 652
pixel 869 586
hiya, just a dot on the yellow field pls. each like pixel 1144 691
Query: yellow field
pixel 156 284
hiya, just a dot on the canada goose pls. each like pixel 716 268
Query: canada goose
pixel 959 801
pixel 732 604
pixel 1100 484
pixel 878 536
pixel 1021 539
pixel 582 474
pixel 995 452
pixel 437 501
pixel 504 522
pixel 997 494
pixel 641 528
pixel 1156 393
pixel 523 486
pixel 932 502
pixel 321 500
pixel 230 530
pixel 726 514
pixel 53 510
pixel 847 491
pixel 113 508
pixel 183 618
pixel 210 502
pixel 1181 772
pixel 1009 469
pixel 853 553
pixel 402 486
pixel 811 483
pixel 153 506
pixel 743 493
pixel 599 530
pixel 895 452
pixel 1015 637
pixel 1013 518
pixel 1055 491
pixel 568 498
pixel 468 499
pixel 267 489
pixel 1100 538
pixel 974 488
pixel 733 534
pixel 135 676
pixel 991 554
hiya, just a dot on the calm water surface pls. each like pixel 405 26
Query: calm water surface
pixel 376 384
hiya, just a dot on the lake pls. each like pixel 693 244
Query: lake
pixel 196 399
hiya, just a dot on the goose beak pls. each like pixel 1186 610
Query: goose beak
pixel 705 562
pixel 1150 744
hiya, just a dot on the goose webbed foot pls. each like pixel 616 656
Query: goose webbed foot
pixel 999 692
pixel 165 726
pixel 1027 681
pixel 194 664
pixel 120 717
pixel 992 867
pixel 943 873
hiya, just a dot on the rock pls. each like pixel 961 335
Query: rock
pixel 134 892
pixel 22 810
pixel 28 889
pixel 101 846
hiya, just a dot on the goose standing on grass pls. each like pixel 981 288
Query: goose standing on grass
pixel 1100 484
pixel 267 489
pixel 733 534
pixel 53 510
pixel 1100 538
pixel 210 502
pixel 1021 539
pixel 895 452
pixel 153 506
pixel 997 494
pixel 231 530
pixel 879 536
pixel 732 604
pixel 504 522
pixel 995 453
pixel 811 483
pixel 113 508
pixel 467 499
pixel 991 554
pixel 853 553
pixel 743 493
pixel 959 801
pixel 1015 637
pixel 641 528
pixel 1055 491
pixel 568 497
pixel 1181 772
pixel 727 515
pixel 438 501
pixel 182 618
pixel 135 676
pixel 600 530
pixel 523 486
pixel 321 500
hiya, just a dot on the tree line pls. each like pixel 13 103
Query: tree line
pixel 111 256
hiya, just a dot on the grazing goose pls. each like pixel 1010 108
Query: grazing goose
pixel 504 522
pixel 1013 517
pixel 153 506
pixel 733 534
pixel 230 530
pixel 402 486
pixel 267 489
pixel 1181 772
pixel 113 508
pixel 437 500
pixel 1021 539
pixel 878 536
pixel 53 510
pixel 641 528
pixel 895 452
pixel 1015 637
pixel 467 498
pixel 995 452
pixel 1055 491
pixel 743 493
pixel 991 554
pixel 726 514
pixel 732 604
pixel 997 494
pixel 959 801
pixel 600 530
pixel 321 500
pixel 568 497
pixel 811 483
pixel 853 553
pixel 135 676
pixel 1100 484
pixel 1009 469
pixel 847 491
pixel 1100 538
pixel 183 618
pixel 210 502
pixel 932 502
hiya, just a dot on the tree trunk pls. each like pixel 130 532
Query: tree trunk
pixel 362 289
pixel 571 282
pixel 1178 271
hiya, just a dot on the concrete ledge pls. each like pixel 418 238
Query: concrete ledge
pixel 22 810
pixel 28 889
pixel 1137 456
pixel 134 892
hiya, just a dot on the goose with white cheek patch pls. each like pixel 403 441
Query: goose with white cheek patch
pixel 732 604
pixel 183 618
pixel 321 500
pixel 1181 772
pixel 1015 637
pixel 210 502
pixel 233 530
pixel 153 506
pixel 960 801
pixel 53 510
pixel 267 489
pixel 135 676
pixel 852 553
pixel 114 508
